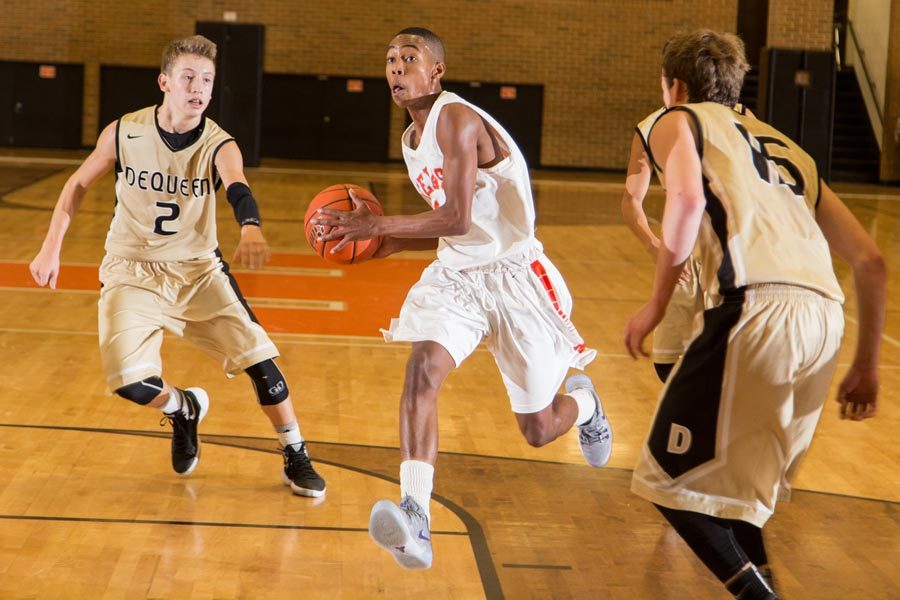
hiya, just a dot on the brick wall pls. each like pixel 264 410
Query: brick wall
pixel 597 59
pixel 800 24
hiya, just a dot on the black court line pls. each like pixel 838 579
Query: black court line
pixel 161 434
pixel 201 523
pixel 527 566
pixel 490 581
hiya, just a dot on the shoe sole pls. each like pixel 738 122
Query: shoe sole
pixel 388 529
pixel 576 382
pixel 203 400
pixel 301 491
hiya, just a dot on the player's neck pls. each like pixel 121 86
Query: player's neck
pixel 173 122
pixel 419 109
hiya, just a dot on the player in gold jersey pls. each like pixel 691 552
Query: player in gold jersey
pixel 163 270
pixel 740 408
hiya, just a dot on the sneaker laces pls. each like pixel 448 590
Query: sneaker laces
pixel 595 431
pixel 297 463
pixel 180 440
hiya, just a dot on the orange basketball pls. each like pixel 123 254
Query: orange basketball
pixel 337 197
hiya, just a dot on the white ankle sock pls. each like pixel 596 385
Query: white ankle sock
pixel 586 405
pixel 416 480
pixel 289 435
pixel 173 404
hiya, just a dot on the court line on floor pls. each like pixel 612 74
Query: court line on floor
pixel 483 558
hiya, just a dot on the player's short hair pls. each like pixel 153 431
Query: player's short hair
pixel 196 45
pixel 432 40
pixel 712 65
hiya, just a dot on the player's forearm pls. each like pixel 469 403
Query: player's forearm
pixel 63 213
pixel 636 221
pixel 681 222
pixel 441 222
pixel 870 279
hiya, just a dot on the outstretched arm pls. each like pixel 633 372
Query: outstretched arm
pixel 858 391
pixel 252 250
pixel 45 266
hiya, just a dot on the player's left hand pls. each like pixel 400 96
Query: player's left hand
pixel 639 327
pixel 253 249
pixel 358 224
pixel 858 393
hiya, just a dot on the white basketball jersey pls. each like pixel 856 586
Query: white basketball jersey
pixel 761 193
pixel 503 208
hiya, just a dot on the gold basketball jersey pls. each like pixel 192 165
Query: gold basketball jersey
pixel 165 198
pixel 761 193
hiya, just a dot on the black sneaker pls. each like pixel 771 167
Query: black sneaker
pixel 300 474
pixel 185 441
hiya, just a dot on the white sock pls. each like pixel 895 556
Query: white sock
pixel 173 404
pixel 586 405
pixel 416 480
pixel 289 435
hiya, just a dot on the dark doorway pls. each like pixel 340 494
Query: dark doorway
pixel 328 118
pixel 41 104
pixel 126 89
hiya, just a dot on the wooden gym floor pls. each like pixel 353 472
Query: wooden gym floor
pixel 91 509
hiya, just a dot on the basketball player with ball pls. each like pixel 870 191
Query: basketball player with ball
pixel 163 270
pixel 491 281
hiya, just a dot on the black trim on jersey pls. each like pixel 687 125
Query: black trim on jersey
pixel 743 111
pixel 159 131
pixel 644 142
pixel 234 285
pixel 718 218
pixel 217 180
pixel 818 193
pixel 699 140
pixel 118 156
pixel 693 396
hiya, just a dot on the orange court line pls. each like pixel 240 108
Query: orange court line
pixel 373 291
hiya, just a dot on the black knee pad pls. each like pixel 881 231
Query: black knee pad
pixel 142 392
pixel 269 383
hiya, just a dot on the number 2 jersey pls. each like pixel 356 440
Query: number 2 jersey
pixel 761 194
pixel 165 198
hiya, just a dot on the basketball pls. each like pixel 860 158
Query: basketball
pixel 337 197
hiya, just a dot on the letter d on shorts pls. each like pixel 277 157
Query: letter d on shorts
pixel 679 439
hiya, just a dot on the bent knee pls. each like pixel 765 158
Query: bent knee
pixel 423 373
pixel 536 433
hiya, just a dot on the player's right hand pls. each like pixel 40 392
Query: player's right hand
pixel 45 268
pixel 858 394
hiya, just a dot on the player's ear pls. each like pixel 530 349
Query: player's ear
pixel 162 79
pixel 438 71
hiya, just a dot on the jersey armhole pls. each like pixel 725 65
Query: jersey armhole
pixel 217 181
pixel 699 140
pixel 118 155
pixel 818 193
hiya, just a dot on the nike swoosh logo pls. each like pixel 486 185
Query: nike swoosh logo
pixel 423 537
pixel 131 137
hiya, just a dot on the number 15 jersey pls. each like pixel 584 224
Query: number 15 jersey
pixel 761 194
pixel 165 198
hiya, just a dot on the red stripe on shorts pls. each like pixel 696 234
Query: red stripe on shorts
pixel 542 275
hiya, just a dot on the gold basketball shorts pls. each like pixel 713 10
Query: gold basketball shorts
pixel 739 410
pixel 194 299
pixel 675 331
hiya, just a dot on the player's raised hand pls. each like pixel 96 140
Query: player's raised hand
pixel 358 224
pixel 253 249
pixel 45 268
pixel 858 393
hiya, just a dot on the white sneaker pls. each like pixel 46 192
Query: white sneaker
pixel 403 531
pixel 595 436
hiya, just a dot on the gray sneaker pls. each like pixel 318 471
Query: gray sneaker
pixel 403 531
pixel 594 437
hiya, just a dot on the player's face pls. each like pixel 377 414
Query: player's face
pixel 189 84
pixel 411 69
